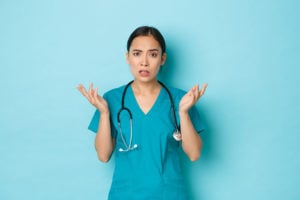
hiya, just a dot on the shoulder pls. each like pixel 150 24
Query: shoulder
pixel 175 92
pixel 115 92
pixel 114 96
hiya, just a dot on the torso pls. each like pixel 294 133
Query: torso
pixel 157 154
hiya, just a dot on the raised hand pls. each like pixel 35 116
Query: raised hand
pixel 191 97
pixel 92 96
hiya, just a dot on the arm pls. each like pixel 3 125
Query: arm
pixel 191 141
pixel 104 143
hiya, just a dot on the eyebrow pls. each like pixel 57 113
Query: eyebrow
pixel 148 50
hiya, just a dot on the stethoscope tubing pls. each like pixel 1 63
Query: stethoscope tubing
pixel 129 147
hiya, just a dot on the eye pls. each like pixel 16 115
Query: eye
pixel 136 53
pixel 153 54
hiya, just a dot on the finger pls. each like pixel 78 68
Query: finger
pixel 82 90
pixel 80 87
pixel 90 91
pixel 203 89
pixel 95 93
pixel 190 92
pixel 196 91
pixel 90 87
pixel 94 96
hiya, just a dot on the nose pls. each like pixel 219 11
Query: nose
pixel 144 61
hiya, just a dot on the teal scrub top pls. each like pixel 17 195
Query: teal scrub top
pixel 153 170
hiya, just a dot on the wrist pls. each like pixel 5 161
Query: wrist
pixel 104 112
pixel 183 113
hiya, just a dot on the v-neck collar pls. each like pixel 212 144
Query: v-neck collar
pixel 137 107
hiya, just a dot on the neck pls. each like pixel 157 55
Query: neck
pixel 145 87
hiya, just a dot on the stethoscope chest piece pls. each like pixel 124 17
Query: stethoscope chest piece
pixel 177 135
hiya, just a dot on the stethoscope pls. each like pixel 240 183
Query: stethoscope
pixel 129 146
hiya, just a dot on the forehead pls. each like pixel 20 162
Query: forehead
pixel 145 43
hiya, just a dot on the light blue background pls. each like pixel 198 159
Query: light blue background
pixel 248 52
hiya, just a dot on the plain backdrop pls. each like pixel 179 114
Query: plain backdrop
pixel 248 52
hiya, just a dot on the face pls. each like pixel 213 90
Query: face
pixel 145 58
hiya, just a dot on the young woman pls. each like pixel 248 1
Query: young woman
pixel 146 123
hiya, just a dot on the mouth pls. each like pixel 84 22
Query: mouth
pixel 144 72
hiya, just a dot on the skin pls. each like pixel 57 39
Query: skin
pixel 145 58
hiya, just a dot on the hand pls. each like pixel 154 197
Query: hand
pixel 92 96
pixel 191 97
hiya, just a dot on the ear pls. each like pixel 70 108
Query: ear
pixel 163 59
pixel 127 57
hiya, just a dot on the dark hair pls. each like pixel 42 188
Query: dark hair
pixel 147 31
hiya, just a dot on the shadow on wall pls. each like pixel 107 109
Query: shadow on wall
pixel 169 76
pixel 167 71
pixel 192 170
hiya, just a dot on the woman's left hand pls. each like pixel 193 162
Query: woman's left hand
pixel 191 97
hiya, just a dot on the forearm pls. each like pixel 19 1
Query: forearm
pixel 103 142
pixel 191 141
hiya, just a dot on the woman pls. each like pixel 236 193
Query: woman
pixel 147 162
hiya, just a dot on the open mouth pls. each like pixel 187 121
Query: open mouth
pixel 144 72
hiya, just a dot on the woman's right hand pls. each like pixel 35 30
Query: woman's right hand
pixel 92 96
